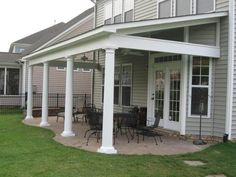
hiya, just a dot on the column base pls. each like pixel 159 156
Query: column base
pixel 44 124
pixel 107 150
pixel 28 117
pixel 67 134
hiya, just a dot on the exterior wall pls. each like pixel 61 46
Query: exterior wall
pixel 203 34
pixel 147 9
pixel 57 79
pixel 140 75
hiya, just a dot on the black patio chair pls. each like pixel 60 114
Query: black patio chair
pixel 150 131
pixel 95 125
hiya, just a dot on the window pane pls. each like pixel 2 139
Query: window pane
pixel 108 21
pixel 196 70
pixel 196 61
pixel 116 95
pixel 204 80
pixel 126 75
pixel 183 7
pixel 199 95
pixel 2 74
pixel 204 6
pixel 205 61
pixel 164 9
pixel 129 16
pixel 126 95
pixel 205 71
pixel 13 81
pixel 196 80
pixel 117 19
pixel 117 75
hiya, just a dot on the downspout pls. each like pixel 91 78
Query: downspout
pixel 94 52
pixel 230 80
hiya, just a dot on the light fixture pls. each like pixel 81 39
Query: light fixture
pixel 84 58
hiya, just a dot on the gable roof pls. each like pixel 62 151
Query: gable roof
pixel 9 58
pixel 42 37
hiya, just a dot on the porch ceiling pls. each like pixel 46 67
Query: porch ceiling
pixel 111 37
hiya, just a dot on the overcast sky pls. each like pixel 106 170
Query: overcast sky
pixel 20 18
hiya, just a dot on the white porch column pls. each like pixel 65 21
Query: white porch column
pixel 29 94
pixel 184 87
pixel 24 67
pixel 44 120
pixel 107 132
pixel 69 99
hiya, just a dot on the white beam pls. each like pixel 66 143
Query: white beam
pixel 107 127
pixel 69 99
pixel 24 68
pixel 166 46
pixel 29 94
pixel 44 120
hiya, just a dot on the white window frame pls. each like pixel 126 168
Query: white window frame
pixel 60 69
pixel 171 8
pixel 118 3
pixel 200 86
pixel 102 85
pixel 175 7
pixel 5 80
pixel 195 7
pixel 106 5
pixel 131 85
pixel 127 10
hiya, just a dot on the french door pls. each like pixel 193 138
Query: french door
pixel 167 94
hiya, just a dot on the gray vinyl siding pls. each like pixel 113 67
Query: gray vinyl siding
pixel 145 9
pixel 203 34
pixel 140 75
pixel 100 13
pixel 57 79
pixel 222 5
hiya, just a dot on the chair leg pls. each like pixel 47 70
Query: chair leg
pixel 155 139
pixel 57 118
pixel 160 139
pixel 86 133
pixel 126 133
pixel 90 137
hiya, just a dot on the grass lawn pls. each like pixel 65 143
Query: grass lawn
pixel 29 151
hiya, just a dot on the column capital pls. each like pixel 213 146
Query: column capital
pixel 110 49
pixel 69 57
pixel 46 63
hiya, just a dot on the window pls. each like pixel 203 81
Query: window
pixel 164 8
pixel 2 80
pixel 9 81
pixel 183 7
pixel 108 13
pixel 200 85
pixel 203 6
pixel 128 10
pixel 122 83
pixel 19 50
pixel 61 68
pixel 117 11
pixel 116 84
pixel 126 84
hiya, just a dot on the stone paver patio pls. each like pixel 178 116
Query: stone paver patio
pixel 169 146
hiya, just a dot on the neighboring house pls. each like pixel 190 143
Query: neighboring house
pixel 171 56
pixel 13 71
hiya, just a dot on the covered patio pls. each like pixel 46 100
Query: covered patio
pixel 170 146
pixel 109 39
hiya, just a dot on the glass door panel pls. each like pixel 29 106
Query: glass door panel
pixel 159 93
pixel 174 99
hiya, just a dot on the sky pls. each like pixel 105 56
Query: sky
pixel 20 18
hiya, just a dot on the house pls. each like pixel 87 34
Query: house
pixel 13 71
pixel 175 57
